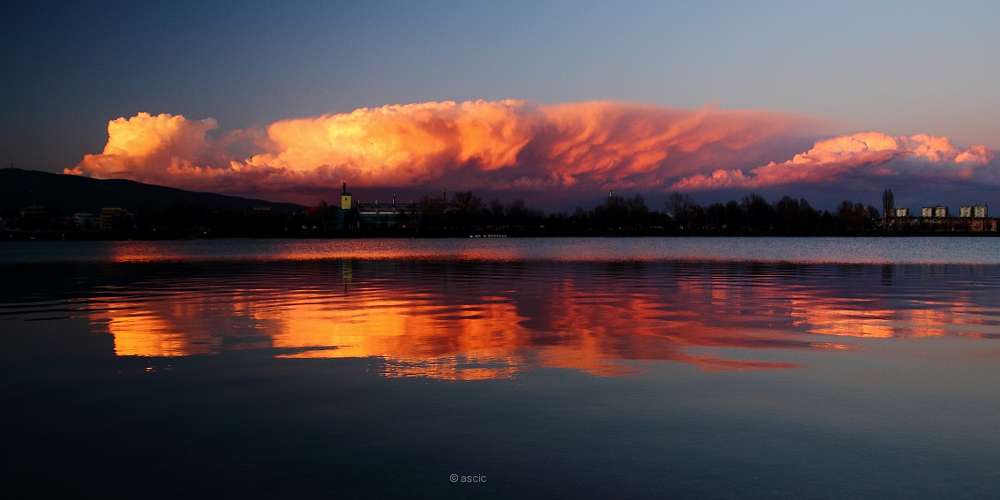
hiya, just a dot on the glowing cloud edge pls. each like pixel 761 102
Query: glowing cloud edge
pixel 514 144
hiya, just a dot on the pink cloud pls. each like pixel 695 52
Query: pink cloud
pixel 493 144
pixel 832 160
pixel 515 145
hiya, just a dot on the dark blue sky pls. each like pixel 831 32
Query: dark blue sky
pixel 898 67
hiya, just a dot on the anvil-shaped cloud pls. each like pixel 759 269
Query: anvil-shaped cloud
pixel 512 145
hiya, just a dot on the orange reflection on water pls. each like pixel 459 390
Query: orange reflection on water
pixel 490 340
pixel 852 318
pixel 158 327
pixel 430 320
pixel 182 324
pixel 140 252
pixel 415 338
pixel 149 335
pixel 842 318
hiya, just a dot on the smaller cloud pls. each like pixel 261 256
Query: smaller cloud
pixel 868 154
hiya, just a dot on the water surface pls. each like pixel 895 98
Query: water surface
pixel 915 250
pixel 679 368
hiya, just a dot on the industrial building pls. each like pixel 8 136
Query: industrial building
pixel 971 219
pixel 355 214
pixel 116 219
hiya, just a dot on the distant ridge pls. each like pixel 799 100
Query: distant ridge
pixel 69 194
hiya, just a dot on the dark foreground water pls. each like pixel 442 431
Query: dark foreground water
pixel 660 368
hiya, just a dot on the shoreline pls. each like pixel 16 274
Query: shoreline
pixel 8 236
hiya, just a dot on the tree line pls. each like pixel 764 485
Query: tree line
pixel 753 214
pixel 465 212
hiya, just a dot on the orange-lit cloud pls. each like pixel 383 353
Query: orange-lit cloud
pixel 831 160
pixel 519 145
pixel 484 145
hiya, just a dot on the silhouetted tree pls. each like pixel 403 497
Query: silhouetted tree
pixel 715 217
pixel 736 218
pixel 759 213
pixel 638 212
pixel 888 203
pixel 795 216
pixel 465 209
pixel 520 214
pixel 612 214
pixel 678 203
pixel 686 213
pixel 618 213
pixel 497 213
pixel 430 213
pixel 855 216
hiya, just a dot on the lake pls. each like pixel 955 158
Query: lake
pixel 498 368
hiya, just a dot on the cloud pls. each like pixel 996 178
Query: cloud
pixel 521 146
pixel 871 154
pixel 491 145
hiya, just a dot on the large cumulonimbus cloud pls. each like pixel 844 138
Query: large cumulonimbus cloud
pixel 516 145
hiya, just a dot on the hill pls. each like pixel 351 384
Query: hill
pixel 69 194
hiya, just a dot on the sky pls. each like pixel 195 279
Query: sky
pixel 554 102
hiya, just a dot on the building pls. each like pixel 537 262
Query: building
pixel 35 213
pixel 935 211
pixel 937 219
pixel 115 218
pixel 386 215
pixel 84 221
pixel 331 217
pixel 345 199
pixel 973 211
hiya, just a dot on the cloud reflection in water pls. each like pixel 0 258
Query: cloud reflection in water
pixel 465 320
